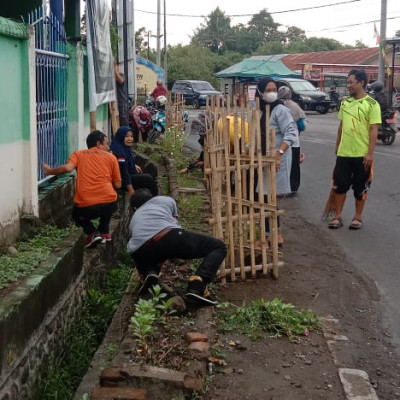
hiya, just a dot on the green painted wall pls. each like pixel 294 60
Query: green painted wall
pixel 14 99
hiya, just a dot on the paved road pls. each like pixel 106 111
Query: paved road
pixel 374 249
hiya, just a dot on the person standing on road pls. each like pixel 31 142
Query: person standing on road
pixel 156 236
pixel 285 94
pixel 97 178
pixel 360 116
pixel 285 135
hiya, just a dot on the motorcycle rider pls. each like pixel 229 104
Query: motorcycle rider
pixel 159 90
pixel 379 95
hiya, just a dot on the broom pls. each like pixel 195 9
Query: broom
pixel 329 210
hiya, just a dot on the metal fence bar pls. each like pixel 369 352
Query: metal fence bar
pixel 51 94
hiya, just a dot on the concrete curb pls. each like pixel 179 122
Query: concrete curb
pixel 355 382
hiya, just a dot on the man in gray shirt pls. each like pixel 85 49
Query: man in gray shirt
pixel 156 236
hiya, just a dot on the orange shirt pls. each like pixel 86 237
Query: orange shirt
pixel 96 172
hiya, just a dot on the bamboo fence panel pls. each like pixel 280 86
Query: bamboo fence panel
pixel 234 168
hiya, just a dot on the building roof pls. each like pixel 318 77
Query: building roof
pixel 348 56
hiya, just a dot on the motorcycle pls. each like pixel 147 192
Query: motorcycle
pixel 158 130
pixel 335 100
pixel 388 129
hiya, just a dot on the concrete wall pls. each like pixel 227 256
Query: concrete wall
pixel 18 144
pixel 17 130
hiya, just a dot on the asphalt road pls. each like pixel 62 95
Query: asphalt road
pixel 375 249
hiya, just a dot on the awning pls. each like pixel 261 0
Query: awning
pixel 254 69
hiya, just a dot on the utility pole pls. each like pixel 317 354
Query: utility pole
pixel 158 32
pixel 165 46
pixel 148 44
pixel 381 72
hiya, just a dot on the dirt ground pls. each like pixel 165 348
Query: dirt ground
pixel 315 276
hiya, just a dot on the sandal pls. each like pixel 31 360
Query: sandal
pixel 355 224
pixel 335 223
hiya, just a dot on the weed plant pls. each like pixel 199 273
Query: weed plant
pixel 148 315
pixel 31 252
pixel 273 318
pixel 60 376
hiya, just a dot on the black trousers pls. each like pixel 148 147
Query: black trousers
pixel 140 181
pixel 295 171
pixel 185 245
pixel 83 217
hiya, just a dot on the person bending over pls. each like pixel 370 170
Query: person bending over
pixel 156 236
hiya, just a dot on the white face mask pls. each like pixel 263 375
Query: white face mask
pixel 270 97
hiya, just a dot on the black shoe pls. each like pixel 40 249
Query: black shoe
pixel 148 283
pixel 200 299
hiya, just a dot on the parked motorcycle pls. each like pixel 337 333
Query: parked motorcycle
pixel 388 129
pixel 158 130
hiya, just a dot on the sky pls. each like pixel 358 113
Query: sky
pixel 346 20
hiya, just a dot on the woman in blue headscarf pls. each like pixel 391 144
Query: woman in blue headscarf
pixel 131 174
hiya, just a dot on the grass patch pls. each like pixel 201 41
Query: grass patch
pixel 31 253
pixel 191 208
pixel 61 375
pixel 273 318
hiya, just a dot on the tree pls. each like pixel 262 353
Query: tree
pixel 215 33
pixel 295 34
pixel 264 29
pixel 360 45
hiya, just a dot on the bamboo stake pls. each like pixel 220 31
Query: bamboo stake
pixel 260 179
pixel 238 193
pixel 251 195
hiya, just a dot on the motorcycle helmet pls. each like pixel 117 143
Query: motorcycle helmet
pixel 144 117
pixel 377 86
pixel 162 100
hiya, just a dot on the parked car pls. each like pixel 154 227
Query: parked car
pixel 306 94
pixel 194 92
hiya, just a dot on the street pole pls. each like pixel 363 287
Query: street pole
pixel 148 44
pixel 165 46
pixel 381 72
pixel 158 32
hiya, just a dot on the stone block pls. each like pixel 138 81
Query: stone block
pixel 356 384
pixel 200 347
pixel 105 393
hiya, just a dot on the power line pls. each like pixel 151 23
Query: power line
pixel 347 26
pixel 250 15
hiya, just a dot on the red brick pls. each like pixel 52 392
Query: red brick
pixel 106 393
pixel 196 337
pixel 199 346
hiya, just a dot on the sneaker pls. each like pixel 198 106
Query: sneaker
pixel 150 281
pixel 93 240
pixel 200 299
pixel 106 237
pixel 198 293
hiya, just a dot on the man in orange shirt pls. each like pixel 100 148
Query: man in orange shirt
pixel 97 178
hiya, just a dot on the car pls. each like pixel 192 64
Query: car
pixel 194 92
pixel 306 95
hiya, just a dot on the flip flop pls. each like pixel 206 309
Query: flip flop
pixel 335 223
pixel 355 224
